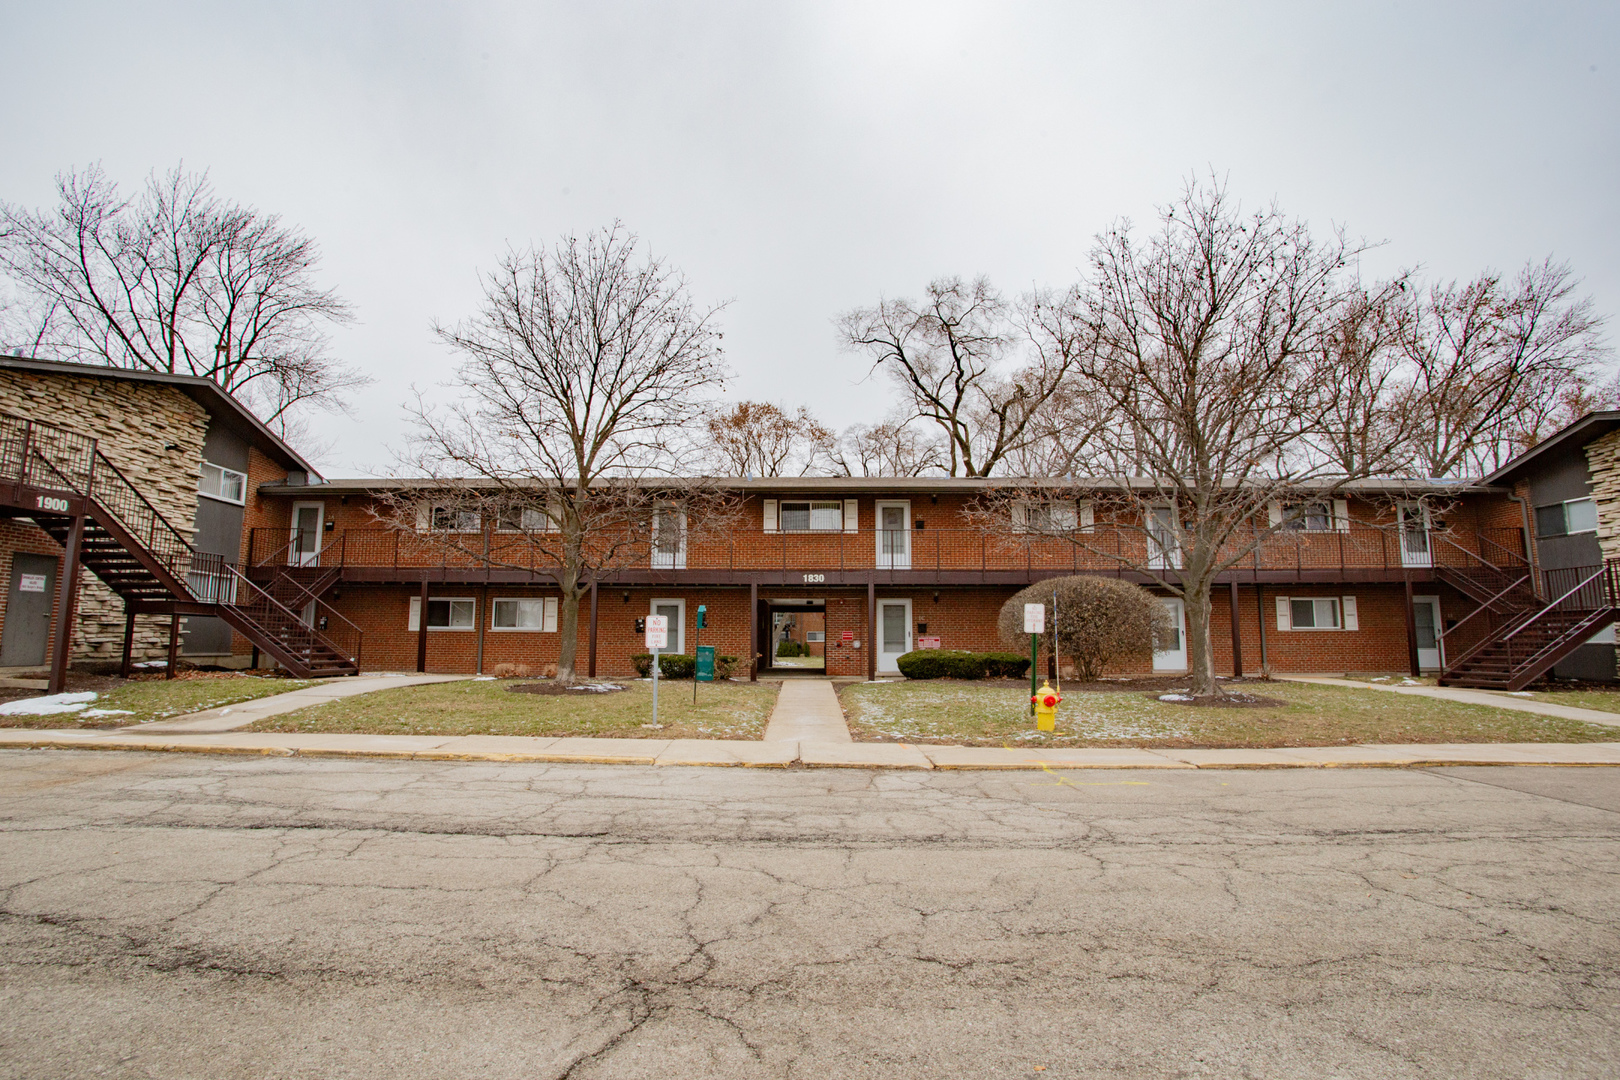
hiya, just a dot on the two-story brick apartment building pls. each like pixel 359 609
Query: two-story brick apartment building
pixel 204 533
pixel 1369 581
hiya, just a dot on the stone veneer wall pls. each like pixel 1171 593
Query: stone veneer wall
pixel 132 422
pixel 1603 459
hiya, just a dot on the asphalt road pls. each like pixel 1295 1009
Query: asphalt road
pixel 195 916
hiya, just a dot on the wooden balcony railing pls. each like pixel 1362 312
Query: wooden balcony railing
pixel 1098 550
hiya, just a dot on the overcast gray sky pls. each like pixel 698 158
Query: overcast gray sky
pixel 797 160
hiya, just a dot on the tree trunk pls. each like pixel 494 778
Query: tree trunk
pixel 568 625
pixel 1200 658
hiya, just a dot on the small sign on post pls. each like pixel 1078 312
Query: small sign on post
pixel 1034 626
pixel 657 638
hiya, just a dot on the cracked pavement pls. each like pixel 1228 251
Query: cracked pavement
pixel 196 916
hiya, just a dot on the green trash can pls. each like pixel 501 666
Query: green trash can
pixel 705 663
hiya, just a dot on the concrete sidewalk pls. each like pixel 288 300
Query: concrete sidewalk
pixel 804 752
pixel 240 715
pixel 1496 699
pixel 807 710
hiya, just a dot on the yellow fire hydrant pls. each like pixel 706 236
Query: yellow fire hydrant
pixel 1046 702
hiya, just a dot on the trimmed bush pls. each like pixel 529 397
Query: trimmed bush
pixel 670 666
pixel 960 664
pixel 724 665
pixel 791 648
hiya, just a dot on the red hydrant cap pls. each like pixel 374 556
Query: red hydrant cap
pixel 1050 700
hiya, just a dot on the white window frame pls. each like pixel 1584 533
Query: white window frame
pixel 414 622
pixel 548 614
pixel 827 507
pixel 531 520
pixel 817 637
pixel 1344 609
pixel 241 479
pixel 426 514
pixel 1065 516
pixel 1565 505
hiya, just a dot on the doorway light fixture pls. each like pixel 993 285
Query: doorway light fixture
pixel 627 598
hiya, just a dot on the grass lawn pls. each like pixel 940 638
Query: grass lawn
pixel 963 713
pixel 140 701
pixel 1601 700
pixel 725 710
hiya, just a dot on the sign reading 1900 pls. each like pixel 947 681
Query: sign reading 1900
pixel 51 502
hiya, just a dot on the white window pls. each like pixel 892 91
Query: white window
pixel 1566 518
pixel 453 519
pixel 1317 613
pixel 537 613
pixel 815 635
pixel 445 613
pixel 811 517
pixel 1052 517
pixel 1164 538
pixel 224 484
pixel 528 519
pixel 1309 517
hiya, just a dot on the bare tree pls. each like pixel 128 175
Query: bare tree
pixel 579 377
pixel 891 448
pixel 1204 350
pixel 1362 432
pixel 757 438
pixel 176 280
pixel 954 356
pixel 1490 362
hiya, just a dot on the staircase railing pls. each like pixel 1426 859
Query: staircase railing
pixel 337 628
pixel 1578 592
pixel 44 455
pixel 209 578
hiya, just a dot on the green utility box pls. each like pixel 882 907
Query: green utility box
pixel 705 663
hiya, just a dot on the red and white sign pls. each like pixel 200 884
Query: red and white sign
pixel 30 582
pixel 929 642
pixel 657 632
pixel 849 635
pixel 1034 618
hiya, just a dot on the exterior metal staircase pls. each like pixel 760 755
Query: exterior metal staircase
pixel 1523 630
pixel 55 476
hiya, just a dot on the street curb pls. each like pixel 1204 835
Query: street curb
pixel 817 758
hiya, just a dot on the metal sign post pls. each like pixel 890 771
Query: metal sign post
pixel 697 649
pixel 1034 626
pixel 657 639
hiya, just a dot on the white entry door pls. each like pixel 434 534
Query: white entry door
pixel 1170 652
pixel 1426 620
pixel 893 633
pixel 1414 530
pixel 306 534
pixel 675 612
pixel 894 535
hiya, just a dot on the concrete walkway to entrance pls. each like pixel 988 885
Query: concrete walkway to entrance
pixel 807 710
pixel 1497 699
pixel 231 717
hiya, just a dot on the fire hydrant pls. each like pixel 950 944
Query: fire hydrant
pixel 1046 702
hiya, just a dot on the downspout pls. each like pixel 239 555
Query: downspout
pixel 1529 545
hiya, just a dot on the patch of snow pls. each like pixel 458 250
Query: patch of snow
pixel 482 678
pixel 1410 682
pixel 1381 678
pixel 1175 697
pixel 147 665
pixel 48 705
pixel 1520 693
pixel 108 712
pixel 595 688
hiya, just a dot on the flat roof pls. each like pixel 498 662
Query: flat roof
pixel 813 485
pixel 220 405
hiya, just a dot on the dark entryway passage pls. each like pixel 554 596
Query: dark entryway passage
pixel 793 621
